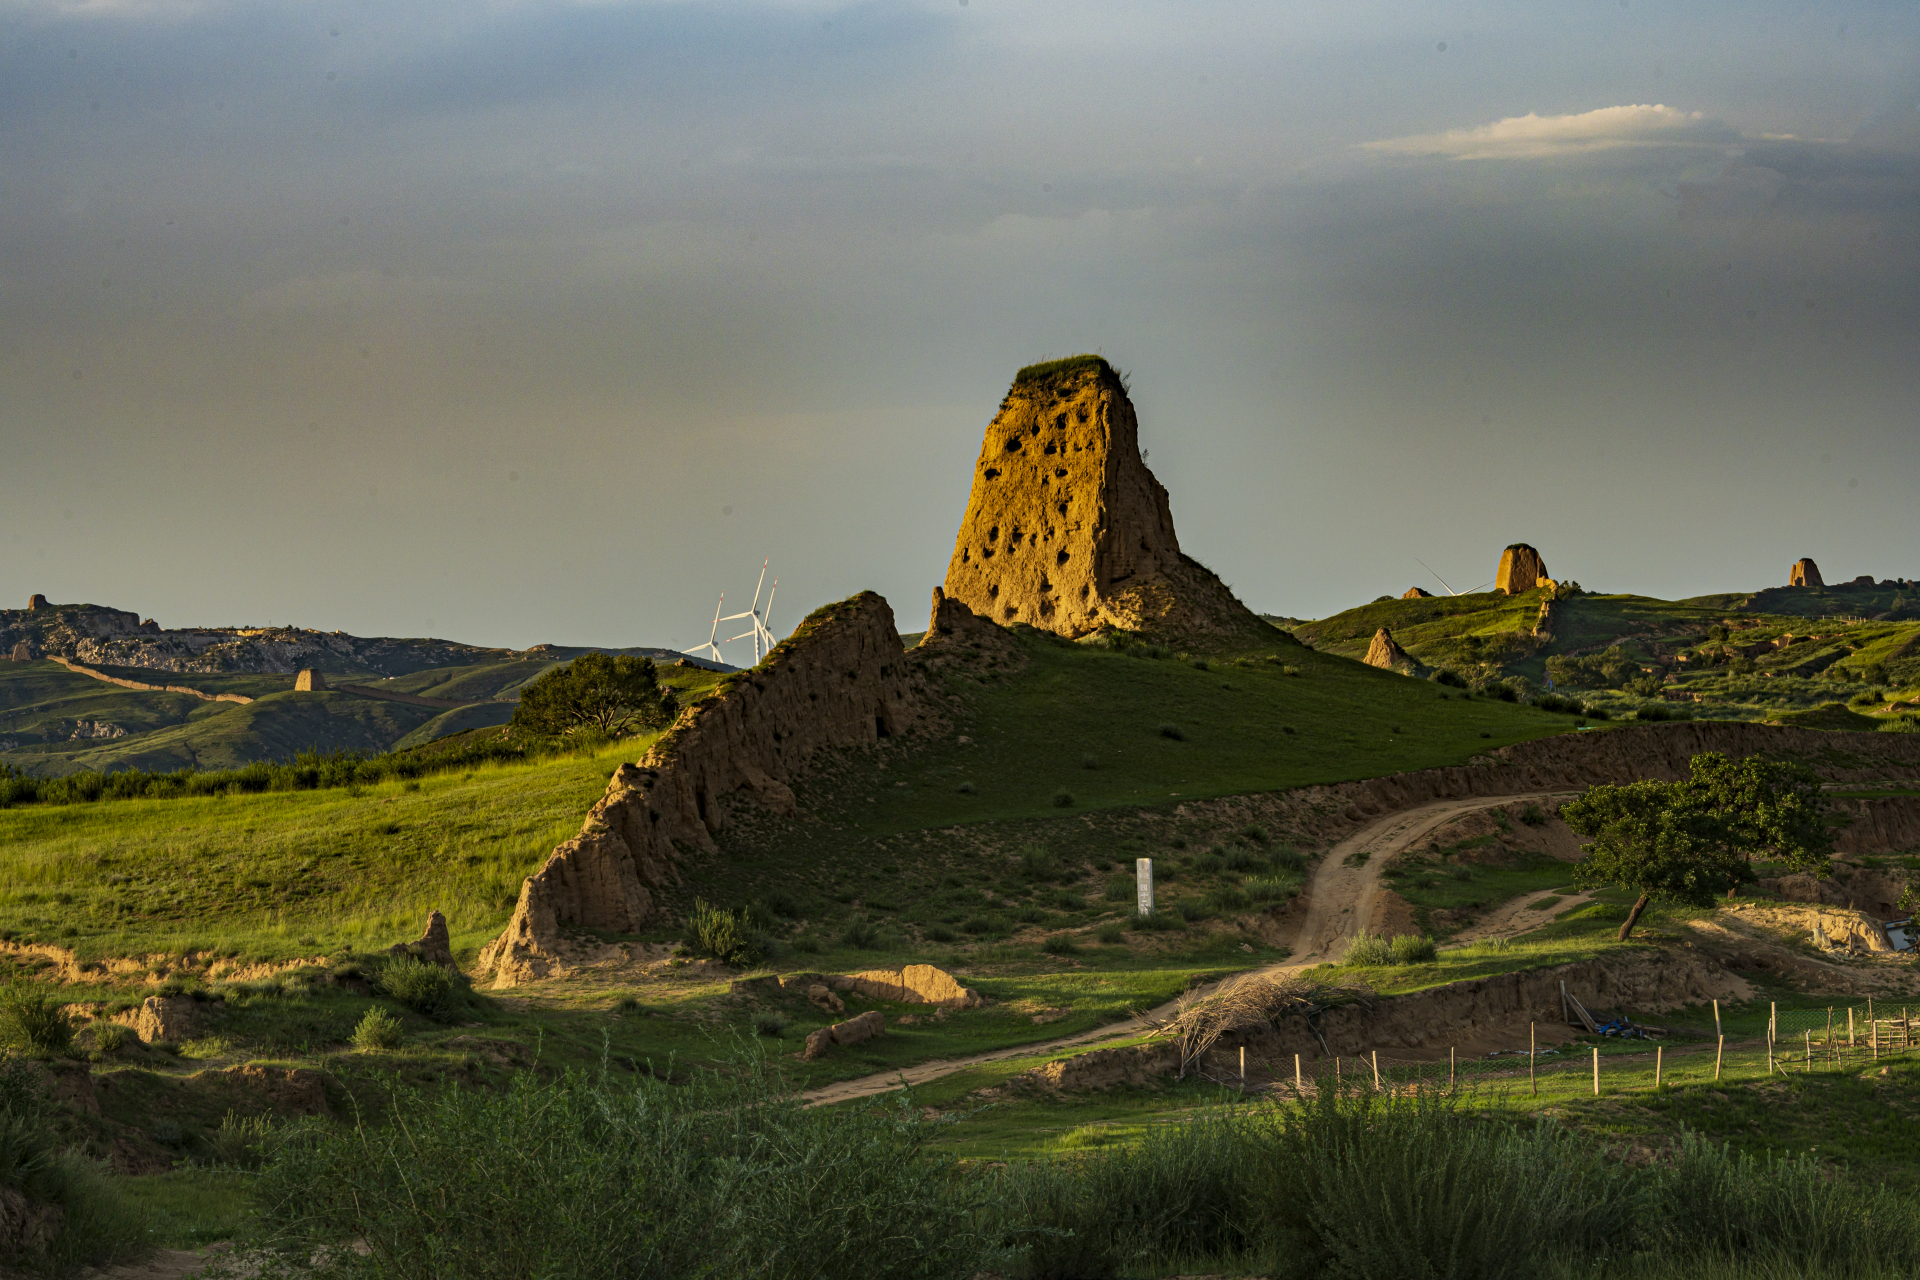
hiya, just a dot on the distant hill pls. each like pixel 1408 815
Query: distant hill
pixel 1741 655
pixel 225 695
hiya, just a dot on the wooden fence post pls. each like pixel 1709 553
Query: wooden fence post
pixel 1376 1068
pixel 1596 1071
pixel 1720 1051
pixel 1533 1057
pixel 1849 1026
pixel 1873 1032
pixel 1659 1056
pixel 1716 1018
pixel 1296 1073
pixel 1773 1020
pixel 1809 1038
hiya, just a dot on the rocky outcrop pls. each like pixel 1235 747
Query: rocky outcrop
pixel 1885 824
pixel 841 680
pixel 1386 652
pixel 1521 569
pixel 23 652
pixel 1066 529
pixel 841 1034
pixel 167 1018
pixel 1804 573
pixel 309 681
pixel 1416 593
pixel 1544 620
pixel 434 945
pixel 914 984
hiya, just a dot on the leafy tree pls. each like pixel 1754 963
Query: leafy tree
pixel 1686 841
pixel 1651 837
pixel 601 692
pixel 1765 810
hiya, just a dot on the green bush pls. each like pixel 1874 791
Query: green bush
pixel 92 1221
pixel 1036 863
pixel 424 987
pixel 1173 731
pixel 723 1175
pixel 241 1142
pixel 378 1030
pixel 938 933
pixel 1119 889
pixel 31 1019
pixel 770 1024
pixel 1063 799
pixel 1410 948
pixel 861 934
pixel 1368 949
pixel 1264 889
pixel 1060 946
pixel 1228 898
pixel 1109 934
pixel 720 934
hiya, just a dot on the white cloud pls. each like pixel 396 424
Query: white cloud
pixel 1538 137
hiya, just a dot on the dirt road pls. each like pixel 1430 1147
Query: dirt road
pixel 1340 904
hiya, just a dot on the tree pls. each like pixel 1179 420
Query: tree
pixel 596 691
pixel 1656 839
pixel 1764 810
pixel 1686 841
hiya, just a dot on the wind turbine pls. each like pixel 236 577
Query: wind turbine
pixel 758 631
pixel 710 646
pixel 1442 581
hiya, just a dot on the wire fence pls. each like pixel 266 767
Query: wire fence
pixel 1794 1042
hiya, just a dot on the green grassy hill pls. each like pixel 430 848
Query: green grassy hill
pixel 1079 729
pixel 1642 650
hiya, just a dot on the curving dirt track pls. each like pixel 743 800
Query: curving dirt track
pixel 1340 901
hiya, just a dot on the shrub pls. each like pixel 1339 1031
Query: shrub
pixel 939 933
pixel 1288 858
pixel 1036 863
pixel 1255 832
pixel 31 1019
pixel 599 693
pixel 1190 911
pixel 1109 934
pixel 1066 900
pixel 1411 948
pixel 110 1038
pixel 1263 889
pixel 780 903
pixel 1228 897
pixel 721 934
pixel 378 1030
pixel 770 1024
pixel 1161 921
pixel 91 1221
pixel 1368 949
pixel 1119 889
pixel 965 788
pixel 1533 815
pixel 727 1175
pixel 978 925
pixel 424 987
pixel 1452 679
pixel 1239 859
pixel 1174 732
pixel 628 1005
pixel 1060 945
pixel 860 933
pixel 1209 863
pixel 1030 915
pixel 1063 799
pixel 241 1141
pixel 1089 761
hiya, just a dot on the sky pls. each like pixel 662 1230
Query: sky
pixel 519 322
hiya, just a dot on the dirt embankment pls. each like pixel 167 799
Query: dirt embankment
pixel 1885 824
pixel 1470 1018
pixel 842 679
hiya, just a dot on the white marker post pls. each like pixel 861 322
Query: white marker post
pixel 1143 883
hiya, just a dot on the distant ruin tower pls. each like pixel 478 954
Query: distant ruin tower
pixel 309 681
pixel 23 652
pixel 1067 530
pixel 1521 569
pixel 1805 573
pixel 36 601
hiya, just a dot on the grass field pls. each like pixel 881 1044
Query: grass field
pixel 290 873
